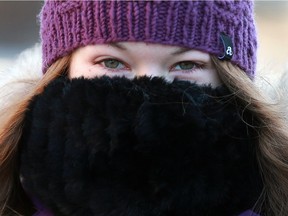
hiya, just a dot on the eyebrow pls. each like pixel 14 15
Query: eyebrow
pixel 180 51
pixel 177 52
pixel 118 46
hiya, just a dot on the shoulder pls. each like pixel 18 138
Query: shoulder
pixel 283 91
pixel 18 78
pixel 275 88
pixel 283 82
pixel 26 67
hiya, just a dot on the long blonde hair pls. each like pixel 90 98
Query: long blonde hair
pixel 271 148
pixel 11 191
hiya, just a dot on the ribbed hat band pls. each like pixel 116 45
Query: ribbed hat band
pixel 68 25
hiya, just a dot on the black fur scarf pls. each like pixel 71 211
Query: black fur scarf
pixel 143 147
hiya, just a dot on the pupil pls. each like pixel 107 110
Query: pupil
pixel 111 63
pixel 186 65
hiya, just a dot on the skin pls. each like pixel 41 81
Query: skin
pixel 134 59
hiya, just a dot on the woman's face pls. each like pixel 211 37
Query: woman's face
pixel 134 59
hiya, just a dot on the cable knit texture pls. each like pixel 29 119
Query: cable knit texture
pixel 67 25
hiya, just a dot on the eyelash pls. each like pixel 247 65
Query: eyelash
pixel 102 64
pixel 196 66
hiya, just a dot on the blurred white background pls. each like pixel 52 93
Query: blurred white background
pixel 19 29
pixel 272 25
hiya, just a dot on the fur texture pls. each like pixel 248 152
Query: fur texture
pixel 283 92
pixel 116 147
pixel 19 79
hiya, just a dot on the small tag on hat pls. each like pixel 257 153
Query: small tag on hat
pixel 228 47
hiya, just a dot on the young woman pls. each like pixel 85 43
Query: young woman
pixel 145 108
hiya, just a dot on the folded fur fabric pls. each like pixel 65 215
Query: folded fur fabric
pixel 142 147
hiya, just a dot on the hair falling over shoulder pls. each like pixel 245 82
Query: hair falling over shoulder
pixel 272 145
pixel 13 200
pixel 272 149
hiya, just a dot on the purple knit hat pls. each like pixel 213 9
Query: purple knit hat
pixel 67 25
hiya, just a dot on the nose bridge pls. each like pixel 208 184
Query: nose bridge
pixel 150 70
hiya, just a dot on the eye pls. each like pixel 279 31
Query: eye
pixel 185 65
pixel 112 64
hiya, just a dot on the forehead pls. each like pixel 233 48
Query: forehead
pixel 142 49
